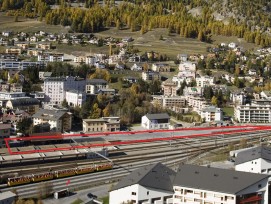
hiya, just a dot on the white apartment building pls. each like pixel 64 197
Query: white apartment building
pixel 187 66
pixel 170 101
pixel 254 160
pixel 211 113
pixel 193 91
pixel 198 185
pixel 155 121
pixel 55 88
pixel 253 113
pixel 12 95
pixel 169 88
pixel 75 98
pixel 266 95
pixel 203 81
pixel 151 184
pixel 150 76
pixel 51 57
pixel 196 103
pixel 94 85
pixel 238 98
pixel 181 79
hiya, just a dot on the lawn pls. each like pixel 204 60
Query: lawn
pixel 228 111
pixel 105 200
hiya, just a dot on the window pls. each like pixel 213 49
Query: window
pixel 133 193
pixel 147 192
pixel 260 185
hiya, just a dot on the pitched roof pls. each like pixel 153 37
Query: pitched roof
pixel 24 102
pixel 156 176
pixel 49 114
pixel 157 116
pixel 215 179
pixel 252 154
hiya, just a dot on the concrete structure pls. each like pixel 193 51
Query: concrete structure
pixel 150 76
pixel 51 57
pixel 170 88
pixel 4 133
pixel 211 113
pixel 196 103
pixel 193 91
pixel 75 98
pixel 105 124
pixel 7 197
pixel 203 81
pixel 20 65
pixel 160 67
pixel 55 88
pixel 151 184
pixel 155 121
pixel 187 66
pixel 237 98
pixel 59 121
pixel 198 184
pixel 254 160
pixel 94 85
pixel 253 113
pixel 266 95
pixel 44 75
pixel 170 101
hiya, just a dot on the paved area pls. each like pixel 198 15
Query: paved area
pixel 99 191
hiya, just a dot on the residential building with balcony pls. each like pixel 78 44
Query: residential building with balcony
pixel 51 57
pixel 150 76
pixel 196 103
pixel 104 124
pixel 75 98
pixel 14 50
pixel 211 113
pixel 94 85
pixel 170 88
pixel 30 105
pixel 55 88
pixel 198 185
pixel 170 102
pixel 155 121
pixel 160 67
pixel 59 121
pixel 151 184
pixel 203 81
pixel 254 113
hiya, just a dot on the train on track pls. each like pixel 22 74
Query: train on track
pixel 57 174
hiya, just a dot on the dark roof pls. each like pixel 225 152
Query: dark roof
pixel 252 154
pixel 96 81
pixel 215 179
pixel 24 102
pixel 49 114
pixel 155 176
pixel 157 116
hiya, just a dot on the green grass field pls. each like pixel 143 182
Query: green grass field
pixel 228 111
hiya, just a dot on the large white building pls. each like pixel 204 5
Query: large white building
pixel 254 160
pixel 254 113
pixel 151 184
pixel 196 103
pixel 203 81
pixel 155 121
pixel 207 185
pixel 55 88
pixel 211 113
pixel 187 66
pixel 75 98
pixel 170 101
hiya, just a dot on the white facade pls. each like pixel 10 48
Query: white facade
pixel 54 124
pixel 197 196
pixel 253 113
pixel 237 98
pixel 55 88
pixel 187 66
pixel 139 194
pixel 170 101
pixel 150 76
pixel 51 57
pixel 75 98
pixel 196 103
pixel 205 81
pixel 211 113
pixel 260 166
pixel 152 124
